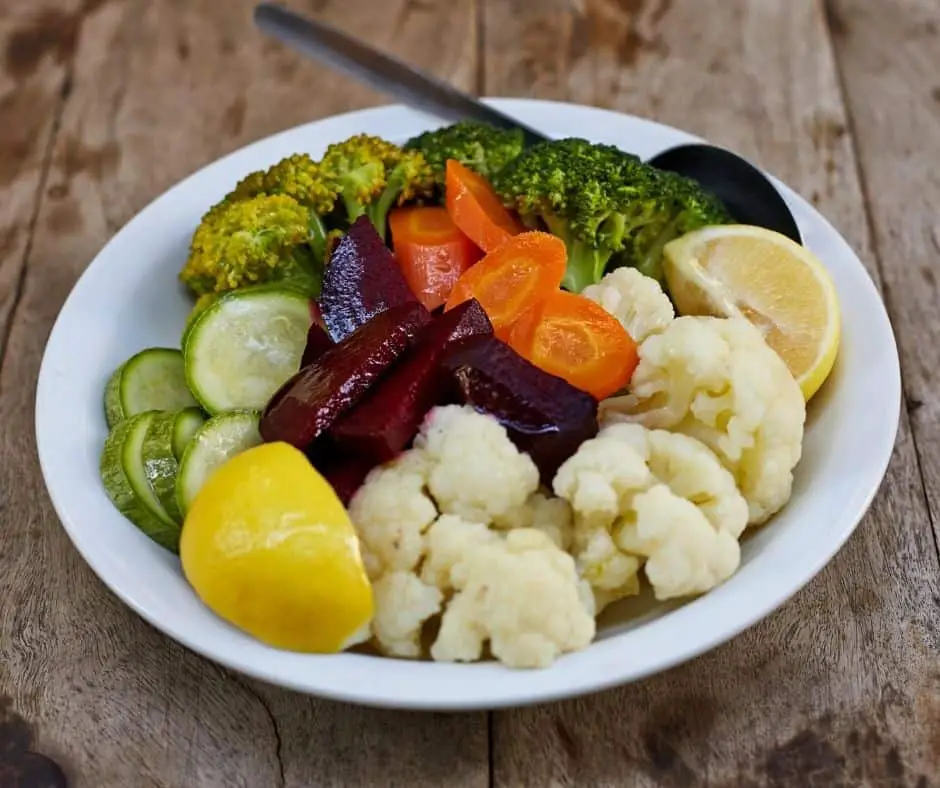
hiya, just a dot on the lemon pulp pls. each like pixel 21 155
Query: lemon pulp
pixel 776 284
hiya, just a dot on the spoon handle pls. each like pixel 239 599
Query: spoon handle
pixel 340 51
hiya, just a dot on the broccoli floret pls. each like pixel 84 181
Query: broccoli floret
pixel 251 241
pixel 371 175
pixel 296 176
pixel 482 148
pixel 684 206
pixel 603 202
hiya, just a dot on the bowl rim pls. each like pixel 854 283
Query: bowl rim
pixel 437 686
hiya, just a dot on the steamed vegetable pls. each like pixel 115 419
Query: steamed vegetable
pixel 519 274
pixel 428 523
pixel 476 209
pixel 603 202
pixel 361 281
pixel 314 398
pixel 544 415
pixel 718 380
pixel 572 337
pixel 385 421
pixel 477 146
pixel 371 175
pixel 246 242
pixel 431 251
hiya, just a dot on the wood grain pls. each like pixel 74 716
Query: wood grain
pixel 896 112
pixel 841 687
pixel 158 89
pixel 34 54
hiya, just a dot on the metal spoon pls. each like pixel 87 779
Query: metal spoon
pixel 749 195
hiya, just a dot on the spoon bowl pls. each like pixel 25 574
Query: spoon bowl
pixel 743 188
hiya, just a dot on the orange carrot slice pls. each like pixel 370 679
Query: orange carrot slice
pixel 522 272
pixel 431 251
pixel 576 339
pixel 476 209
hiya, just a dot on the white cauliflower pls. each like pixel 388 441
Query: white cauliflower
pixel 637 301
pixel 428 521
pixel 449 539
pixel 545 513
pixel 685 554
pixel 692 471
pixel 392 511
pixel 689 543
pixel 475 469
pixel 521 594
pixel 717 380
pixel 403 603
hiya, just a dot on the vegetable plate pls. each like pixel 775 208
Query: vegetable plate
pixel 414 415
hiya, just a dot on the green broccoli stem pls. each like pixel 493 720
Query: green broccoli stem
pixel 378 209
pixel 651 263
pixel 586 263
pixel 317 240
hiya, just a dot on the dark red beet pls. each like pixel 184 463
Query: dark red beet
pixel 318 342
pixel 388 417
pixel 361 280
pixel 308 404
pixel 346 476
pixel 544 415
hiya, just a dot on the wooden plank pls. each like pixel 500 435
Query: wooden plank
pixel 897 112
pixel 36 40
pixel 840 686
pixel 158 89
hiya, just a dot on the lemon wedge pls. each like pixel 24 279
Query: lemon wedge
pixel 269 547
pixel 779 286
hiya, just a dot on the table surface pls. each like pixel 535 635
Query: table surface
pixel 106 103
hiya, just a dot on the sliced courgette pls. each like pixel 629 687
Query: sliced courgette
pixel 125 481
pixel 218 440
pixel 242 347
pixel 153 379
pixel 160 464
pixel 187 423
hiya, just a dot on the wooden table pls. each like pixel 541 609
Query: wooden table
pixel 105 103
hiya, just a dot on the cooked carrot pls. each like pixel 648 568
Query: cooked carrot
pixel 431 251
pixel 525 270
pixel 476 209
pixel 576 339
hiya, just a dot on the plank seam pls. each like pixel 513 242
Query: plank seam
pixel 828 16
pixel 278 744
pixel 65 90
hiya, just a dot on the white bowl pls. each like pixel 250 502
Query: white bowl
pixel 129 299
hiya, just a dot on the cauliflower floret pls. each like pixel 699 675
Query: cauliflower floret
pixel 520 593
pixel 403 603
pixel 448 540
pixel 637 301
pixel 600 478
pixel 610 481
pixel 552 516
pixel 605 566
pixel 476 471
pixel 427 524
pixel 717 380
pixel 692 471
pixel 391 512
pixel 685 554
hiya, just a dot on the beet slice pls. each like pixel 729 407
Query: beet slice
pixel 388 417
pixel 544 415
pixel 361 280
pixel 346 476
pixel 307 404
pixel 318 342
